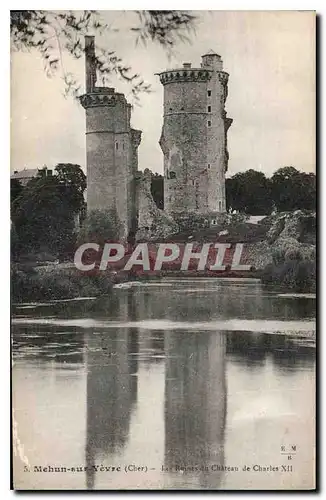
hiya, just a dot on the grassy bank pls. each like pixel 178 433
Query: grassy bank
pixel 30 284
pixel 293 275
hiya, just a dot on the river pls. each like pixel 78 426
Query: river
pixel 171 384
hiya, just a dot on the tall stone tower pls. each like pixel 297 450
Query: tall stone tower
pixel 194 136
pixel 111 147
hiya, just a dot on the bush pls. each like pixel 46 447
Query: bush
pixel 99 227
pixel 293 274
pixel 278 256
pixel 30 285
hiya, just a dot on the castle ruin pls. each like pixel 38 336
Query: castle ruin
pixel 194 136
pixel 193 141
pixel 111 148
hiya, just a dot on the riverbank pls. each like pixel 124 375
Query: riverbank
pixel 64 281
pixel 35 283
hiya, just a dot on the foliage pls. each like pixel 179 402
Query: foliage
pixel 292 190
pixel 287 190
pixel 191 221
pixel 15 189
pixel 32 285
pixel 73 184
pixel 157 190
pixel 291 273
pixel 99 227
pixel 43 215
pixel 249 192
pixel 54 32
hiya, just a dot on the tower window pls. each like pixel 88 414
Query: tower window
pixel 209 93
pixel 209 165
pixel 209 123
pixel 209 109
pixel 116 145
pixel 173 175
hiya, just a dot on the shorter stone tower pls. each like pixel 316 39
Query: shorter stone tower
pixel 111 146
pixel 194 136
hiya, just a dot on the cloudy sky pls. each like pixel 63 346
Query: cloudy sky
pixel 270 57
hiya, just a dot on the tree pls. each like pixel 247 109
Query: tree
pixel 249 192
pixel 55 32
pixel 44 213
pixel 41 218
pixel 292 190
pixel 100 226
pixel 157 190
pixel 73 182
pixel 307 193
pixel 15 189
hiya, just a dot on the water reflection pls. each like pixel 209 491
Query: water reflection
pixel 111 388
pixel 178 399
pixel 252 349
pixel 195 408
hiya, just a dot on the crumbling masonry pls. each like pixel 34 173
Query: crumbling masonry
pixel 111 148
pixel 194 136
pixel 193 141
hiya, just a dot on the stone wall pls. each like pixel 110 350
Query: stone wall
pixel 153 223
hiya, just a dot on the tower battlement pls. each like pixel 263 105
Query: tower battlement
pixel 184 75
pixel 102 96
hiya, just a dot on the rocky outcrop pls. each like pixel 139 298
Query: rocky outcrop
pixel 284 236
pixel 290 225
pixel 291 236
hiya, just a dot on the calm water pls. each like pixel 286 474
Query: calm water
pixel 176 384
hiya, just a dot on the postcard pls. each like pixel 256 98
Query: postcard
pixel 163 250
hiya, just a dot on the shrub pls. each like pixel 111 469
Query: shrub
pixel 100 226
pixel 278 256
pixel 30 285
pixel 293 274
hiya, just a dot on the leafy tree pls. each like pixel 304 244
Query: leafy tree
pixel 73 183
pixel 292 190
pixel 43 214
pixel 100 226
pixel 307 196
pixel 15 189
pixel 41 217
pixel 55 32
pixel 157 190
pixel 249 192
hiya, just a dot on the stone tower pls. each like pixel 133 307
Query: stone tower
pixel 194 136
pixel 111 148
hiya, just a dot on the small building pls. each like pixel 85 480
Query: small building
pixel 25 175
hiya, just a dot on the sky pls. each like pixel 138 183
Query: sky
pixel 269 55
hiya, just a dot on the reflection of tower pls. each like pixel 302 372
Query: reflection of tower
pixel 111 145
pixel 194 136
pixel 111 390
pixel 195 406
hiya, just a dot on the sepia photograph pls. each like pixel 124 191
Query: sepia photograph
pixel 163 250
